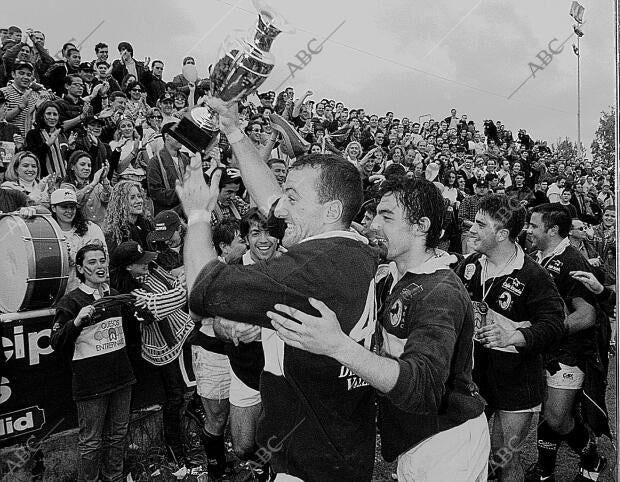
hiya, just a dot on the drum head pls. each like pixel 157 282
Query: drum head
pixel 14 254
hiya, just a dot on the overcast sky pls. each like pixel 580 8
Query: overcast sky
pixel 411 57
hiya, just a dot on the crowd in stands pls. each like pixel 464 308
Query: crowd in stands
pixel 89 141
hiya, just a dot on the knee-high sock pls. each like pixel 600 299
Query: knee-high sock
pixel 548 443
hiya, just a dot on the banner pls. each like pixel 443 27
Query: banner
pixel 35 382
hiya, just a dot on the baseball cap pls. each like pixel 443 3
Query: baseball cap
pixel 166 98
pixel 166 223
pixel 93 119
pixel 482 183
pixel 22 64
pixel 130 252
pixel 60 196
pixel 85 66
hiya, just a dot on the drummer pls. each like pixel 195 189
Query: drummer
pixel 78 231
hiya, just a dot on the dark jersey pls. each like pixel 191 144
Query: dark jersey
pixel 576 347
pixel 426 323
pixel 319 414
pixel 525 298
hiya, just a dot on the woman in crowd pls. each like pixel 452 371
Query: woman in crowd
pixel 136 107
pixel 22 174
pixel 126 218
pixel 78 231
pixel 92 190
pixel 151 134
pixel 353 152
pixel 164 327
pixel 47 141
pixel 128 79
pixel 451 191
pixel 126 143
pixel 397 155
pixel 180 104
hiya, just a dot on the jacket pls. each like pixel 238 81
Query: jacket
pixel 160 188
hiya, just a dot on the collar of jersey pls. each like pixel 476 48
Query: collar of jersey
pixel 516 263
pixel 559 249
pixel 338 234
pixel 89 291
pixel 441 260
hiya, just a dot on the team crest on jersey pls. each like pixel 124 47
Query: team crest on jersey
pixel 396 312
pixel 514 286
pixel 505 300
pixel 409 292
pixel 555 266
pixel 470 269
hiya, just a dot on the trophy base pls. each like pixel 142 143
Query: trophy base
pixel 197 130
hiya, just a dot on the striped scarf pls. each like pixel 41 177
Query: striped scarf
pixel 54 160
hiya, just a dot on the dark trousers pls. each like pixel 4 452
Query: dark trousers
pixel 175 389
pixel 103 423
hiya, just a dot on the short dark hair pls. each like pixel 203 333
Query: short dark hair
pixel 71 50
pixel 66 46
pixel 81 254
pixel 100 46
pixel 505 211
pixel 225 232
pixel 70 78
pixel 102 62
pixel 253 216
pixel 554 214
pixel 117 93
pixel 338 180
pixel 419 198
pixel 157 62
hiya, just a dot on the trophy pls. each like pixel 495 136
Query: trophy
pixel 245 65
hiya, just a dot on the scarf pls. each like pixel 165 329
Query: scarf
pixel 54 161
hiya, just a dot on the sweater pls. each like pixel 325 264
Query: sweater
pixel 99 361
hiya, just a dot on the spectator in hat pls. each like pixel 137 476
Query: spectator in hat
pixel 164 326
pixel 48 142
pixel 21 99
pixel 78 232
pixel 126 64
pixel 166 106
pixel 167 240
pixel 164 169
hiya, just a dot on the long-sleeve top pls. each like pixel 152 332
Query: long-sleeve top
pixel 166 299
pixel 427 325
pixel 99 360
pixel 162 190
pixel 468 210
pixel 327 411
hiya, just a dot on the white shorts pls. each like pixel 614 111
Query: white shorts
pixel 212 371
pixel 566 378
pixel 535 409
pixel 240 394
pixel 461 453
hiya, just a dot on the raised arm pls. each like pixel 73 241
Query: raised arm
pixel 257 177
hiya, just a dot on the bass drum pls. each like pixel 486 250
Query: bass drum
pixel 33 263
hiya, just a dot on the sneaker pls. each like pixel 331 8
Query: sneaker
pixel 593 472
pixel 535 474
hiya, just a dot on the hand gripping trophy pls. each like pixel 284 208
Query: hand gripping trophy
pixel 244 66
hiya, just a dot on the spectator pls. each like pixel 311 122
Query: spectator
pixel 606 197
pixel 164 169
pixel 126 64
pixel 125 218
pixel 78 232
pixel 20 98
pixel 92 190
pixel 101 54
pixel 102 373
pixel 153 82
pixel 520 192
pixel 22 174
pixel 73 110
pixel 229 205
pixel 55 76
pixel 136 107
pixel 48 142
pixel 467 214
pixel 126 143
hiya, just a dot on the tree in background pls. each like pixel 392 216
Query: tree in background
pixel 604 139
pixel 565 149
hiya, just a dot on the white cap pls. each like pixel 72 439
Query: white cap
pixel 63 196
